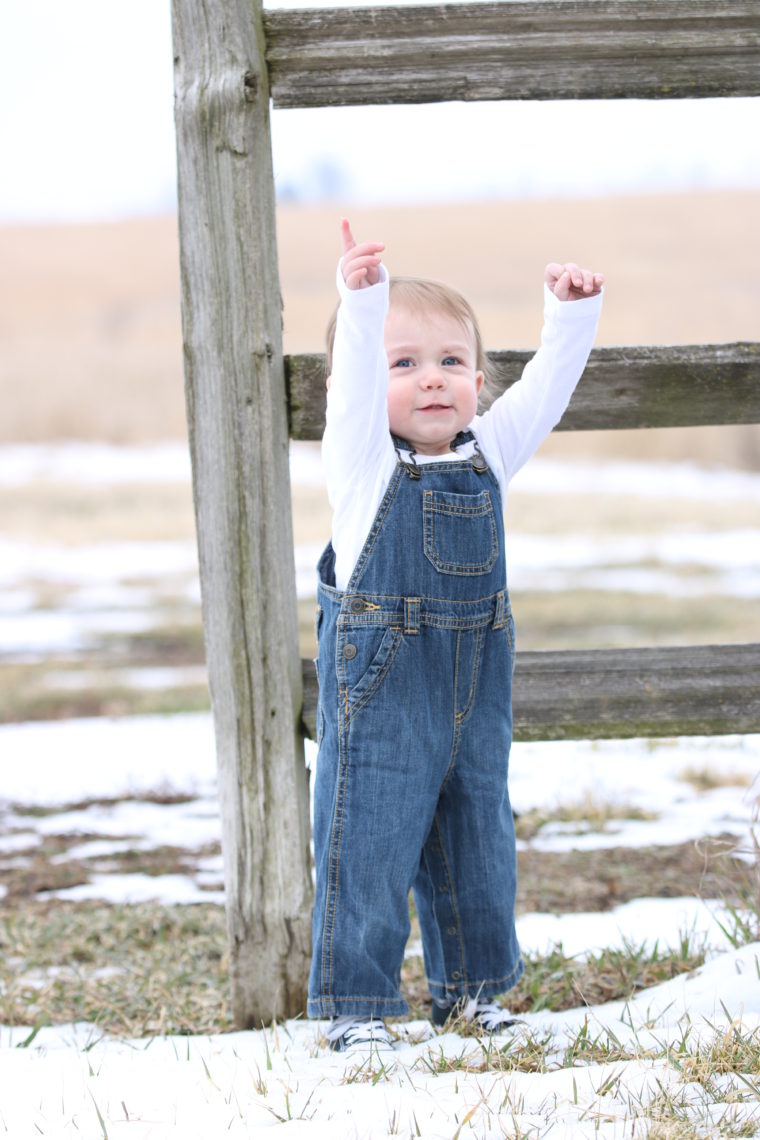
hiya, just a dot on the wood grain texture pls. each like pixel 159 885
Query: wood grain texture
pixel 237 420
pixel 537 49
pixel 629 387
pixel 616 694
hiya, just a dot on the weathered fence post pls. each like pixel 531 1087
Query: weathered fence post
pixel 237 418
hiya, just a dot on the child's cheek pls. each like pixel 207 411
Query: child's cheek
pixel 397 404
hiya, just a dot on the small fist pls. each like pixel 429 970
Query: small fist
pixel 569 282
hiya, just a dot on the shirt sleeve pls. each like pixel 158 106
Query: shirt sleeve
pixel 356 428
pixel 514 426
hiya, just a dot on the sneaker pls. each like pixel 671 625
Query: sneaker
pixel 485 1015
pixel 367 1035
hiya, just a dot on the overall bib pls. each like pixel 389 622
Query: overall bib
pixel 414 727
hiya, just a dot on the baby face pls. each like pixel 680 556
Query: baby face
pixel 434 383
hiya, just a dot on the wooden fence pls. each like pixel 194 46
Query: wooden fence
pixel 538 49
pixel 245 401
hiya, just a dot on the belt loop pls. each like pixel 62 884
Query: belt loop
pixel 411 615
pixel 499 617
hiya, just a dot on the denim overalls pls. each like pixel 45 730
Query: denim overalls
pixel 414 727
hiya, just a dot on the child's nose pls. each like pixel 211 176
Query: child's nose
pixel 432 377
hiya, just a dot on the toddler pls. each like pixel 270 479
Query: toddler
pixel 416 643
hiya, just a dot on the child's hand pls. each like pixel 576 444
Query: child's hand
pixel 361 263
pixel 569 283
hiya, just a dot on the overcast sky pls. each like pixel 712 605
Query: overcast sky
pixel 87 131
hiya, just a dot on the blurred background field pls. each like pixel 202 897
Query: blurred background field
pixel 89 314
pixel 627 538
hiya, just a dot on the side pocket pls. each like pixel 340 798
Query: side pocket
pixel 365 657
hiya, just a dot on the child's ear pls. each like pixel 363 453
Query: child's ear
pixel 478 381
pixel 328 381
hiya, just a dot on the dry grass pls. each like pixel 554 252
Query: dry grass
pixel 601 879
pixel 148 968
pixel 610 619
pixel 107 682
pixel 707 779
pixel 586 814
pixel 72 514
pixel 555 981
pixel 729 1051
pixel 56 863
pixel 130 970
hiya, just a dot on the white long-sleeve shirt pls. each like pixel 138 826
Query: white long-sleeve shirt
pixel 357 450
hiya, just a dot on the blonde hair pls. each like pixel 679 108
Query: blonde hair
pixel 419 295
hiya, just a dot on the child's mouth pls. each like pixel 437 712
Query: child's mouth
pixel 435 408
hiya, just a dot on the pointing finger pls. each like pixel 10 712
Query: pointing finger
pixel 347 238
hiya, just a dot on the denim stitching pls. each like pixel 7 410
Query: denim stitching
pixel 456 735
pixel 433 621
pixel 328 1002
pixel 412 615
pixel 485 599
pixel 460 717
pixel 478 655
pixel 431 507
pixel 377 527
pixel 331 895
pixel 390 657
pixel 501 606
pixel 475 988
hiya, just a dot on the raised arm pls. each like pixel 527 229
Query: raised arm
pixel 522 417
pixel 357 452
pixel 357 407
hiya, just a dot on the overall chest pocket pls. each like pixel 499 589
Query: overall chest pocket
pixel 460 532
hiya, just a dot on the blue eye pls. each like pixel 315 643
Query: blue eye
pixel 449 360
pixel 404 362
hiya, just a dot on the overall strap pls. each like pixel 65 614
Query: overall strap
pixel 410 465
pixel 477 459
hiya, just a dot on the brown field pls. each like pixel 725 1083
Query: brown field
pixel 90 327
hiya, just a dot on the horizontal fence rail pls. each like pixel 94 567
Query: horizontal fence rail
pixel 631 387
pixel 537 49
pixel 620 693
